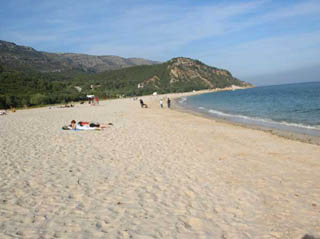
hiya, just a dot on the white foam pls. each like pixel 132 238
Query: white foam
pixel 182 100
pixel 261 120
pixel 317 127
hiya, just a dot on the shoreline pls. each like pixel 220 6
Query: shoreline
pixel 305 138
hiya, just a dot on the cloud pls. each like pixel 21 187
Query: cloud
pixel 236 35
pixel 168 27
pixel 299 9
pixel 273 54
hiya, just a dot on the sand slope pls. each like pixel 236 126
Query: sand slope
pixel 156 173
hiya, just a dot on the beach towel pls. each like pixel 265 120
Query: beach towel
pixel 66 127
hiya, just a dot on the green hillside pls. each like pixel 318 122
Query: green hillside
pixel 176 75
pixel 30 87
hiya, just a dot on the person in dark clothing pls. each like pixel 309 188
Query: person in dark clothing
pixel 169 102
pixel 142 104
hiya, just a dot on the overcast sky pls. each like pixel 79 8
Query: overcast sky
pixel 246 37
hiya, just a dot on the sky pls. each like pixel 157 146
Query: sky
pixel 249 38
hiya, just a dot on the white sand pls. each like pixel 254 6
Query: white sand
pixel 156 173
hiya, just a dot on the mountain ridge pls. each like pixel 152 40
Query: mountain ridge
pixel 27 58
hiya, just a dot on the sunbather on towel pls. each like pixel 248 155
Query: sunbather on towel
pixel 82 125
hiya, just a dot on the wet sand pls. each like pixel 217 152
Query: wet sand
pixel 302 137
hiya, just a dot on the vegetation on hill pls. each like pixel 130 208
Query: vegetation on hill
pixel 19 89
pixel 24 58
pixel 177 75
pixel 27 77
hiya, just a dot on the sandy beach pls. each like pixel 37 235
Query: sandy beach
pixel 156 173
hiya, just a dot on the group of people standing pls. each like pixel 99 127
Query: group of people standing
pixel 168 103
pixel 143 105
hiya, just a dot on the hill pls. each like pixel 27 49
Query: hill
pixel 23 58
pixel 176 75
pixel 29 77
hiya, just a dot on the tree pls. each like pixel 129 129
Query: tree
pixel 38 99
pixel 3 102
pixel 25 102
pixel 8 101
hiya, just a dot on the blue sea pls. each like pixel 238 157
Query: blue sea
pixel 290 107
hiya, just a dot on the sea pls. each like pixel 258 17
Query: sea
pixel 290 107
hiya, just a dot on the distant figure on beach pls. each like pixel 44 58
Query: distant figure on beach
pixel 169 102
pixel 142 104
pixel 66 106
pixel 161 103
pixel 3 112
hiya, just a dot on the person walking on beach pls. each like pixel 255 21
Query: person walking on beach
pixel 161 103
pixel 169 102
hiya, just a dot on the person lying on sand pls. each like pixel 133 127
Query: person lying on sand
pixel 92 124
pixel 66 106
pixel 82 125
